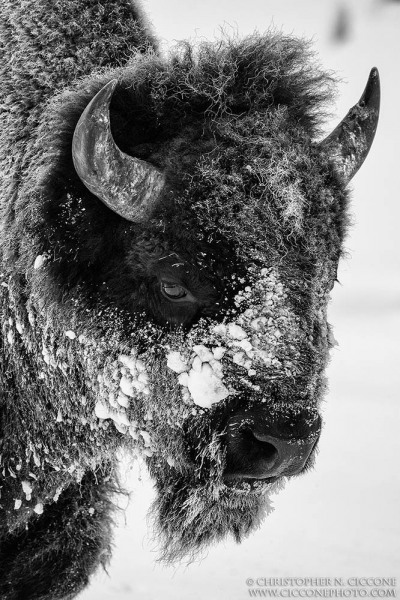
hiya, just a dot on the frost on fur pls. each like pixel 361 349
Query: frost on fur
pixel 190 338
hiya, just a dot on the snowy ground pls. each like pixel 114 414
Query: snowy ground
pixel 341 520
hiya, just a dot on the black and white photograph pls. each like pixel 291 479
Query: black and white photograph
pixel 199 299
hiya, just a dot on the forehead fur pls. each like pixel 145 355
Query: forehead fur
pixel 231 124
pixel 263 188
pixel 246 113
pixel 231 77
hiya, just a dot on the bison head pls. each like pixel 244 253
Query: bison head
pixel 190 240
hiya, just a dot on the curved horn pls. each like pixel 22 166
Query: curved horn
pixel 128 186
pixel 349 144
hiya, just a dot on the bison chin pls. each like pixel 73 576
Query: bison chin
pixel 191 513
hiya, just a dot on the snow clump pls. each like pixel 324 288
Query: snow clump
pixel 39 261
pixel 175 362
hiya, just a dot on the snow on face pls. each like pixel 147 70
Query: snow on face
pixel 129 379
pixel 263 337
pixel 254 342
pixel 189 373
pixel 145 399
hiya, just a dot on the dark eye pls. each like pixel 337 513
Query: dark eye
pixel 173 290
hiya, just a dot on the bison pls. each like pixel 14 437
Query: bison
pixel 170 233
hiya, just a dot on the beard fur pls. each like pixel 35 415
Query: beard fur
pixel 194 510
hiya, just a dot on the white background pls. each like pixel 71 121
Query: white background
pixel 341 520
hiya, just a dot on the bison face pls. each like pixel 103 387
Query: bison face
pixel 195 264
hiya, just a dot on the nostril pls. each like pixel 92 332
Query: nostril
pixel 260 449
pixel 249 456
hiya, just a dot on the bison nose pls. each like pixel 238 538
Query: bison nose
pixel 259 449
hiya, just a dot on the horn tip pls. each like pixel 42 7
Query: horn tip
pixel 374 72
pixel 112 84
pixel 372 93
pixel 107 90
pixel 374 78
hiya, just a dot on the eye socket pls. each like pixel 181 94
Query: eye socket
pixel 173 291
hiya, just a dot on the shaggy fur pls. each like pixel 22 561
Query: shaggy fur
pixel 254 217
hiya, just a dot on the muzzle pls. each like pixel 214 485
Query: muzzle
pixel 259 447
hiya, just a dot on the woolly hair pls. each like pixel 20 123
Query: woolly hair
pixel 48 44
pixel 186 522
pixel 54 557
pixel 232 126
pixel 263 97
